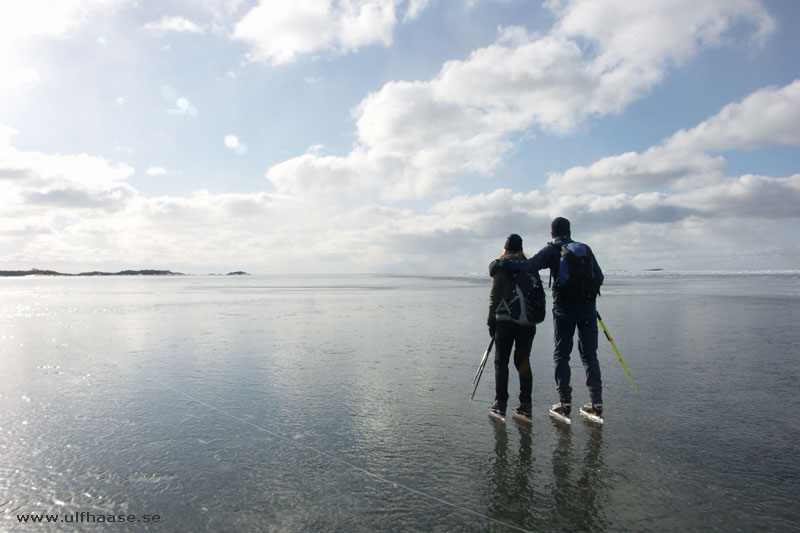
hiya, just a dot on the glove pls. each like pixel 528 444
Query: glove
pixel 492 327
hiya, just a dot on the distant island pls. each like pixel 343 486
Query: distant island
pixel 147 272
pixel 38 272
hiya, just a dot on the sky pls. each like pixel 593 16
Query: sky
pixel 397 136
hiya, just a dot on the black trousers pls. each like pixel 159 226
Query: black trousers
pixel 510 335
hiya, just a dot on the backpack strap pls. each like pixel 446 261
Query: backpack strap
pixel 550 277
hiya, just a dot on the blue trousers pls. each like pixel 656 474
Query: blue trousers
pixel 566 319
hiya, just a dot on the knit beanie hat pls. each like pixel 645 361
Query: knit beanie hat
pixel 560 227
pixel 513 243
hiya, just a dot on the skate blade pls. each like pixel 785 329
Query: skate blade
pixel 522 418
pixel 560 417
pixel 594 418
pixel 496 416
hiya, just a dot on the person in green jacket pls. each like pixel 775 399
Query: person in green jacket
pixel 509 334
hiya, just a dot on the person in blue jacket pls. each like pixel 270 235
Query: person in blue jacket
pixel 578 278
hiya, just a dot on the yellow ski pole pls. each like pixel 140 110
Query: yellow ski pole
pixel 619 357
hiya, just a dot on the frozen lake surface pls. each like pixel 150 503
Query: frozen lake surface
pixel 323 403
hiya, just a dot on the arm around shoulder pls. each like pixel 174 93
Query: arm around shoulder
pixel 529 265
pixel 543 259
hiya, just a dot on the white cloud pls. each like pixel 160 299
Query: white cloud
pixel 34 182
pixel 232 141
pixel 645 230
pixel 48 18
pixel 768 117
pixel 415 7
pixel 320 176
pixel 156 171
pixel 281 32
pixel 6 133
pixel 111 198
pixel 612 203
pixel 19 78
pixel 119 148
pixel 749 196
pixel 173 24
pixel 413 137
pixel 632 44
pixel 625 29
pixel 82 169
pixel 203 209
pixel 21 22
pixel 68 206
pixel 630 172
pixel 58 215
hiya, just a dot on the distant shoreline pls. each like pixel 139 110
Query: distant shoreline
pixel 146 272
pixel 40 272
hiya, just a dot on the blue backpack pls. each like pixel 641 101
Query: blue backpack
pixel 576 282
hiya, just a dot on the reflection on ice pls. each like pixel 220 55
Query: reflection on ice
pixel 341 403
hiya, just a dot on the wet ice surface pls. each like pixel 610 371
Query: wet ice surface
pixel 342 403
